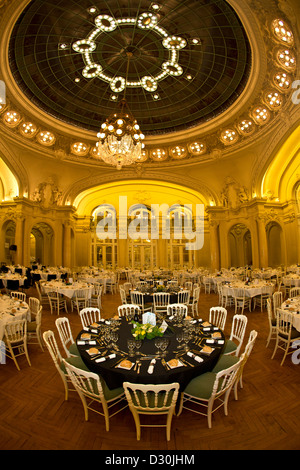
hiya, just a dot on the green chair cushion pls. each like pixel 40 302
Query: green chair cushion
pixel 225 362
pixel 73 349
pixel 230 346
pixel 201 386
pixel 108 393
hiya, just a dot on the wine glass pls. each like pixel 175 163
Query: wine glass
pixel 164 345
pixel 186 338
pixel 138 344
pixel 114 339
pixel 179 338
pixel 131 347
pixel 157 343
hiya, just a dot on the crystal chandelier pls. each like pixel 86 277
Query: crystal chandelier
pixel 120 138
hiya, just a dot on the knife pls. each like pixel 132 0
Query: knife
pixel 165 364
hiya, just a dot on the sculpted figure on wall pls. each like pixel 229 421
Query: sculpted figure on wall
pixel 233 194
pixel 47 194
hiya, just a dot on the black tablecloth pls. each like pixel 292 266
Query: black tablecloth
pixel 115 377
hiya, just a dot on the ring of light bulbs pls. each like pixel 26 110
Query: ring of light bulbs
pixel 147 21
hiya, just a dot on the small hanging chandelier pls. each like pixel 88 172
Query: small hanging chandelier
pixel 120 138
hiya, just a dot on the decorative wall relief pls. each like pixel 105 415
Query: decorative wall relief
pixel 47 194
pixel 233 194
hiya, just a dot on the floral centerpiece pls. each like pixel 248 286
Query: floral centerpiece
pixel 146 330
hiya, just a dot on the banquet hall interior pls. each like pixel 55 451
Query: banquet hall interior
pixel 150 146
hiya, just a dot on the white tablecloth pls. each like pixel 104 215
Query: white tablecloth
pixel 11 310
pixel 293 306
pixel 251 290
pixel 65 289
pixel 291 280
pixel 103 280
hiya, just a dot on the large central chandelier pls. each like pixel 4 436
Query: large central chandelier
pixel 120 138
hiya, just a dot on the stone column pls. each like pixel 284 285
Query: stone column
pixel 214 245
pixel 262 241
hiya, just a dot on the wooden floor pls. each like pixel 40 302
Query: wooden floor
pixel 34 415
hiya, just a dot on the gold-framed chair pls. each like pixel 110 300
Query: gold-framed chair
pixel 90 386
pixel 218 316
pixel 208 392
pixel 65 333
pixel 15 339
pixel 59 362
pixel 151 400
pixel 89 315
pixel 286 334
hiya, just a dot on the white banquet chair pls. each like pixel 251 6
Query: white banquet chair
pixel 15 339
pixel 152 400
pixel 65 333
pixel 184 296
pixel 34 333
pixel 90 386
pixel 89 315
pixel 161 301
pixel 128 310
pixel 285 333
pixel 193 303
pixel 175 309
pixel 207 390
pixel 217 316
pixel 238 330
pixel 18 295
pixel 51 344
pixel 57 302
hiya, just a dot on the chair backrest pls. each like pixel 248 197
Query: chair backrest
pixel 184 296
pixel 137 298
pixel 277 300
pixel 238 329
pixel 284 324
pixel 225 379
pixel 98 288
pixel 161 299
pixel 85 382
pixel 127 286
pixel 151 398
pixel 251 342
pixel 175 309
pixel 196 294
pixel 16 331
pixel 271 313
pixel 123 295
pixel 18 295
pixel 34 305
pixel 82 294
pixel 128 310
pixel 294 291
pixel 188 285
pixel 50 341
pixel 65 333
pixel 89 315
pixel 217 316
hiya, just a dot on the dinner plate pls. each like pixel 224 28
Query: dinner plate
pixel 180 364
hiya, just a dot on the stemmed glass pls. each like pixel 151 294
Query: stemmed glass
pixel 179 338
pixel 138 344
pixel 186 338
pixel 164 345
pixel 158 343
pixel 114 339
pixel 131 347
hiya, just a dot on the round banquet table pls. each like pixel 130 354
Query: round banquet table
pixel 11 310
pixel 293 306
pixel 67 290
pixel 114 376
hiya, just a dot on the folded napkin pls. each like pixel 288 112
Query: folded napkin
pixel 214 341
pixel 151 366
pixel 197 358
pixel 102 359
pixel 83 342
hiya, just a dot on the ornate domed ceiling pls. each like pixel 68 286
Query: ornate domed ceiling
pixel 189 60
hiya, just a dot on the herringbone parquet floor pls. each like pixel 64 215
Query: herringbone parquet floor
pixel 34 415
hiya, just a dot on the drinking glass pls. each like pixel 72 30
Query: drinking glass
pixel 164 345
pixel 138 344
pixel 179 338
pixel 157 343
pixel 131 347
